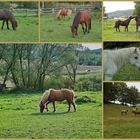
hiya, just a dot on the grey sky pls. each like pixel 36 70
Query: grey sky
pixel 93 46
pixel 136 84
pixel 111 6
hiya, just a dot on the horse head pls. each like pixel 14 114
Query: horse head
pixel 131 17
pixel 42 106
pixel 74 31
pixel 135 57
pixel 14 24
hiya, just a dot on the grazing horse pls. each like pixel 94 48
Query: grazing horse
pixel 57 95
pixel 137 19
pixel 5 16
pixel 64 12
pixel 125 23
pixel 124 112
pixel 83 18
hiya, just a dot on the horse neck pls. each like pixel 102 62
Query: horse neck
pixel 76 20
pixel 128 20
pixel 45 96
pixel 121 56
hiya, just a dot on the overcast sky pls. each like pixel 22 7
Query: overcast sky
pixel 93 46
pixel 136 84
pixel 114 6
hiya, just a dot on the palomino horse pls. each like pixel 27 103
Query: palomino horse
pixel 83 18
pixel 6 16
pixel 57 95
pixel 125 23
pixel 64 12
pixel 137 19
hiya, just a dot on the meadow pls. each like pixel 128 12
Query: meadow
pixel 120 126
pixel 53 30
pixel 110 34
pixel 20 117
pixel 27 31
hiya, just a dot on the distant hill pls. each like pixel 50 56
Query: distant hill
pixel 121 13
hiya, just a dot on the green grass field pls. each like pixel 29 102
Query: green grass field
pixel 110 34
pixel 53 30
pixel 27 31
pixel 128 72
pixel 118 126
pixel 20 117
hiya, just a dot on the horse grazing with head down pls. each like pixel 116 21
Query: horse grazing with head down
pixel 83 18
pixel 63 13
pixel 6 16
pixel 53 95
pixel 125 23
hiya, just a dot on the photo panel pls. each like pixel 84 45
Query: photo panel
pixel 121 61
pixel 121 110
pixel 19 21
pixel 71 21
pixel 49 89
pixel 121 21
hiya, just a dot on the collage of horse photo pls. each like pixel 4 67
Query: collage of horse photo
pixel 69 69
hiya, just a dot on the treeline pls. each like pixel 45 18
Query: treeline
pixel 122 93
pixel 13 5
pixel 113 45
pixel 31 66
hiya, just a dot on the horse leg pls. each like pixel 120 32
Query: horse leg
pixel 73 106
pixel 47 106
pixel 54 106
pixel 86 28
pixel 136 28
pixel 83 28
pixel 7 24
pixel 3 24
pixel 119 28
pixel 69 105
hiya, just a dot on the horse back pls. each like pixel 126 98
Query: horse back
pixel 85 16
pixel 60 95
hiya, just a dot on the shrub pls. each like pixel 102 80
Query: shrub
pixel 84 99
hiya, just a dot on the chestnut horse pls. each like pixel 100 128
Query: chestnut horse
pixel 53 95
pixel 125 23
pixel 64 12
pixel 6 16
pixel 137 19
pixel 83 18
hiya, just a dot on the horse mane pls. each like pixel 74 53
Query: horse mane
pixel 45 96
pixel 76 20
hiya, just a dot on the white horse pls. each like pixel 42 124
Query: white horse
pixel 115 59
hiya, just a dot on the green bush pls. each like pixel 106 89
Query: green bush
pixel 84 99
pixel 88 84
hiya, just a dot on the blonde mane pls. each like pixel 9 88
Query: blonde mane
pixel 45 96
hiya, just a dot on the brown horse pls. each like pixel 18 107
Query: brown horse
pixel 136 112
pixel 137 19
pixel 64 12
pixel 125 23
pixel 6 16
pixel 57 95
pixel 83 18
